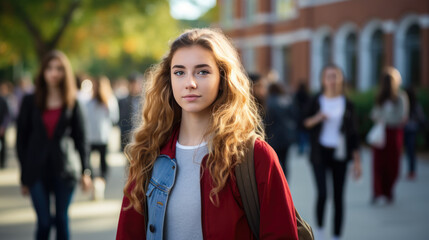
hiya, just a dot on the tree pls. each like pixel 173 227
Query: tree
pixel 87 30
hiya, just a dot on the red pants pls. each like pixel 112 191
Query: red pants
pixel 386 163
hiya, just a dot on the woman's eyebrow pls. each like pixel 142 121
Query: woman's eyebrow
pixel 202 66
pixel 178 66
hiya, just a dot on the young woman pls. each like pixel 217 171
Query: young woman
pixel 392 109
pixel 334 142
pixel 47 120
pixel 102 112
pixel 198 114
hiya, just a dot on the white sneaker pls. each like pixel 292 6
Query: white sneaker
pixel 99 187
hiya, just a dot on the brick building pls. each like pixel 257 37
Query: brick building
pixel 298 37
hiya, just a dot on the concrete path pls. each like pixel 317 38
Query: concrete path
pixel 407 218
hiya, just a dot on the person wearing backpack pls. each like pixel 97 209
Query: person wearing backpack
pixel 334 141
pixel 198 117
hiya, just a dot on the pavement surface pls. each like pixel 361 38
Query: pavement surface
pixel 407 218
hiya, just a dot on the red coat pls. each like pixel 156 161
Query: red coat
pixel 228 220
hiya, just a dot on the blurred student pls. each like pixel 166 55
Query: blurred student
pixel 392 109
pixel 280 123
pixel 129 107
pixel 334 140
pixel 198 118
pixel 47 120
pixel 300 102
pixel 416 122
pixel 4 119
pixel 102 112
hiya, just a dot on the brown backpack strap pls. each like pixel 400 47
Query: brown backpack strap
pixel 246 182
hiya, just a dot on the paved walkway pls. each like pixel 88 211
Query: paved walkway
pixel 407 218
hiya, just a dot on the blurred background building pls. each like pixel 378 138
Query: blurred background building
pixel 296 38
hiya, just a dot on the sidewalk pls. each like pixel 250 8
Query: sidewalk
pixel 407 218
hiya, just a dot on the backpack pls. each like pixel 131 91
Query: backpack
pixel 246 182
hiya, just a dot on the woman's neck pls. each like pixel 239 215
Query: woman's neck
pixel 193 128
pixel 331 94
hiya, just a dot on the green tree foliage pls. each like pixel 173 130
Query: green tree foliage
pixel 101 36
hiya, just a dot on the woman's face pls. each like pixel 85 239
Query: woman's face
pixel 195 78
pixel 54 73
pixel 332 80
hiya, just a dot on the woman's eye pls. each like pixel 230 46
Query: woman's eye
pixel 178 73
pixel 203 72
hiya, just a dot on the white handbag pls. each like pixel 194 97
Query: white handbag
pixel 376 137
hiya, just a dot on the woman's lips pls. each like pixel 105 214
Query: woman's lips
pixel 191 97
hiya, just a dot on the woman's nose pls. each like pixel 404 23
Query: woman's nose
pixel 190 82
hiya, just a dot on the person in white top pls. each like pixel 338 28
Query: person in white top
pixel 331 121
pixel 101 113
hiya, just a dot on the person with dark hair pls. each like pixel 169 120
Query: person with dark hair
pixel 280 123
pixel 391 108
pixel 416 121
pixel 4 116
pixel 48 120
pixel 300 102
pixel 259 90
pixel 102 112
pixel 331 120
pixel 129 107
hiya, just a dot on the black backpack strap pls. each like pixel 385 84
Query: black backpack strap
pixel 246 182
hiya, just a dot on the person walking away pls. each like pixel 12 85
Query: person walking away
pixel 416 122
pixel 198 116
pixel 129 108
pixel 280 123
pixel 48 121
pixel 102 113
pixel 300 102
pixel 391 108
pixel 334 141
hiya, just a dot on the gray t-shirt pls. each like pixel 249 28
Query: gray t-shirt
pixel 183 216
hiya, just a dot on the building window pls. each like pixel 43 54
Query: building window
pixel 250 10
pixel 413 57
pixel 249 59
pixel 287 65
pixel 285 9
pixel 376 57
pixel 350 69
pixel 228 13
pixel 326 51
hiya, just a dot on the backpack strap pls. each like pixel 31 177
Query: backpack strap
pixel 246 182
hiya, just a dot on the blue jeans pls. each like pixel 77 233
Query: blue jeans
pixel 410 149
pixel 40 196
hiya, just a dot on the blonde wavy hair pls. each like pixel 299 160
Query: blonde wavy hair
pixel 234 120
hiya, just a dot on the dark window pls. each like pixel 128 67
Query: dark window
pixel 351 60
pixel 412 56
pixel 376 56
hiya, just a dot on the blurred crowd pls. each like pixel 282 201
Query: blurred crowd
pixel 323 126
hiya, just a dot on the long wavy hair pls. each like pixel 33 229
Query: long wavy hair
pixel 67 86
pixel 102 91
pixel 233 122
pixel 389 85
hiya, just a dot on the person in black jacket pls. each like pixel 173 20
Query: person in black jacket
pixel 4 115
pixel 49 121
pixel 334 140
pixel 129 108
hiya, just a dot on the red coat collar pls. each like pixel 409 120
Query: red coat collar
pixel 169 148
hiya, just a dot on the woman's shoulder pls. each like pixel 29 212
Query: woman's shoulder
pixel 264 154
